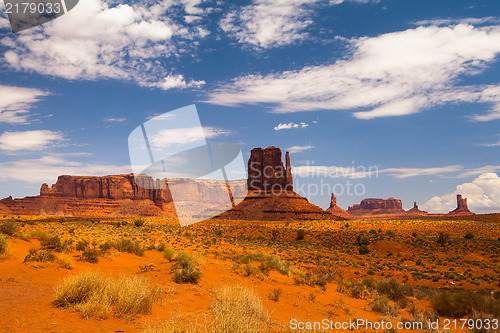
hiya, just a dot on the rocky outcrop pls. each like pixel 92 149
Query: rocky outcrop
pixel 270 192
pixel 336 210
pixel 266 172
pixel 462 208
pixel 371 206
pixel 415 211
pixel 116 187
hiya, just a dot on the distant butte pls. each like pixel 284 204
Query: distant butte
pixel 336 210
pixel 371 206
pixel 415 211
pixel 462 208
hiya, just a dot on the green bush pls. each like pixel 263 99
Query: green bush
pixel 469 235
pixel 82 245
pixel 8 228
pixel 39 256
pixel 185 270
pixel 126 245
pixel 139 222
pixel 443 239
pixel 363 249
pixel 4 245
pixel 267 262
pixel 90 255
pixel 52 243
pixel 460 304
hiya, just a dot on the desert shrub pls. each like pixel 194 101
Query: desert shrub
pixel 443 239
pixel 4 246
pixel 126 245
pixel 8 228
pixel 169 254
pixel 96 295
pixel 52 243
pixel 383 306
pixel 105 247
pixel 267 262
pixel 41 235
pixel 274 233
pixel 39 256
pixel 363 249
pixel 394 290
pixel 237 310
pixel 275 294
pixel 469 235
pixel 320 275
pixel 185 269
pixel 362 240
pixel 65 261
pixel 90 255
pixel 459 304
pixel 301 234
pixel 139 222
pixel 82 245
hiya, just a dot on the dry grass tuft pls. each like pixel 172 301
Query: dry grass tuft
pixel 4 247
pixel 96 295
pixel 65 261
pixel 237 310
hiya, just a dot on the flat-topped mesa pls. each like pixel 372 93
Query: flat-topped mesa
pixel 462 208
pixel 373 206
pixel 266 172
pixel 116 187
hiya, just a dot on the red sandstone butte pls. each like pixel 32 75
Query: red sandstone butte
pixel 270 192
pixel 371 206
pixel 336 210
pixel 415 211
pixel 462 208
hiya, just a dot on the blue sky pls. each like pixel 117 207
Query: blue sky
pixel 408 88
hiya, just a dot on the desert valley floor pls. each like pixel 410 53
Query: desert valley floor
pixel 237 276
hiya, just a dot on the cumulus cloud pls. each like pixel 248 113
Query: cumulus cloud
pixel 483 196
pixel 298 149
pixel 46 169
pixel 99 40
pixel 270 23
pixel 393 74
pixel 15 103
pixel 29 140
pixel 281 126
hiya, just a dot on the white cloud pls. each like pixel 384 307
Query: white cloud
pixel 465 20
pixel 414 172
pixel 483 196
pixel 289 126
pixel 392 74
pixel 15 103
pixel 101 40
pixel 335 171
pixel 29 140
pixel 173 136
pixel 115 120
pixel 270 23
pixel 298 149
pixel 494 144
pixel 46 169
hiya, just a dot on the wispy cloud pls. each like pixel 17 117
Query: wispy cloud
pixel 29 140
pixel 99 40
pixel 393 74
pixel 47 168
pixel 464 20
pixel 290 126
pixel 414 172
pixel 298 149
pixel 15 103
pixel 115 120
pixel 267 23
pixel 175 136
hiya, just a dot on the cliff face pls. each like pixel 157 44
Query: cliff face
pixel 266 171
pixel 118 187
pixel 376 207
pixel 462 208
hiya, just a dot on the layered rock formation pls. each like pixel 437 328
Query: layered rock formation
pixel 415 211
pixel 336 210
pixel 462 208
pixel 372 206
pixel 271 196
